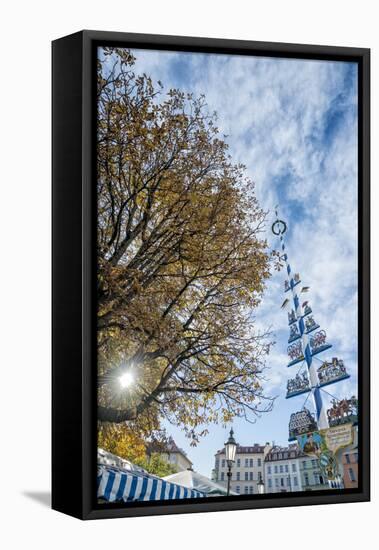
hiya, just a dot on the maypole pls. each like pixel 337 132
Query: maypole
pixel 301 346
pixel 314 433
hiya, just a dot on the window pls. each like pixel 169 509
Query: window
pixel 238 462
pixel 316 478
pixel 238 476
pixel 282 482
pixel 295 481
pixel 246 476
pixel 222 476
pixel 304 464
pixel 352 475
pixel 306 479
pixel 217 463
pixel 251 476
pixel 276 482
pixel 246 462
pixel 280 456
pixel 270 482
pixel 269 469
pixel 251 489
pixel 314 463
pixel 347 458
pixel 276 469
pixel 281 468
pixel 286 468
pixel 238 489
pixel 259 462
pixel 251 461
pixel 294 467
pixel 246 489
pixel 223 463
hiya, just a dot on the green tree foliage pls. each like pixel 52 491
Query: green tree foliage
pixel 157 465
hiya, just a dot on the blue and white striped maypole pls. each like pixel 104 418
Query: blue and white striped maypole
pixel 279 227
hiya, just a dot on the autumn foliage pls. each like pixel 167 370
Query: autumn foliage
pixel 128 443
pixel 182 262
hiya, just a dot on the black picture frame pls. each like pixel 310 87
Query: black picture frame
pixel 74 272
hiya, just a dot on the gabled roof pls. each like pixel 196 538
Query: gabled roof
pixel 169 447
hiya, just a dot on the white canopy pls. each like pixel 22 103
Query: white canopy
pixel 194 480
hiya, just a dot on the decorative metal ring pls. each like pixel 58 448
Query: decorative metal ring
pixel 282 227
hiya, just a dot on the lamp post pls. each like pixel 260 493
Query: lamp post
pixel 230 452
pixel 339 479
pixel 261 485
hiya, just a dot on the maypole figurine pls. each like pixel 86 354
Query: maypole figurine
pixel 305 342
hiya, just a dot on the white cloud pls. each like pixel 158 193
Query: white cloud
pixel 293 124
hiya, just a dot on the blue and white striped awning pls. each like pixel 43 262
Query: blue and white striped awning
pixel 115 485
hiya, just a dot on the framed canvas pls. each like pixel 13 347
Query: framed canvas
pixel 210 275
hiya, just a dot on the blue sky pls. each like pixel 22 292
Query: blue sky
pixel 293 123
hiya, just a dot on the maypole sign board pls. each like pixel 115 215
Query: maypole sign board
pixel 311 443
pixel 301 422
pixel 331 439
pixel 324 444
pixel 338 437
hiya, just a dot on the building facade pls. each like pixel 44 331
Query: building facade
pixel 350 469
pixel 312 479
pixel 288 470
pixel 282 470
pixel 246 470
pixel 175 456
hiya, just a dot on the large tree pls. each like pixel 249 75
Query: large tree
pixel 182 262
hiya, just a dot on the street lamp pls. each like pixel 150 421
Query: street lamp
pixel 230 452
pixel 339 482
pixel 261 485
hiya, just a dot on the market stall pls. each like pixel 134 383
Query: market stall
pixel 115 485
pixel 195 481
